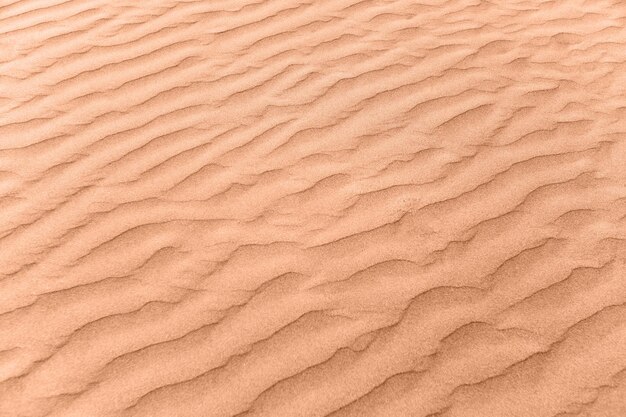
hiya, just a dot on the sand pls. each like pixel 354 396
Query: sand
pixel 312 208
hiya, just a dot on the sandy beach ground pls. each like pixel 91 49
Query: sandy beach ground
pixel 322 208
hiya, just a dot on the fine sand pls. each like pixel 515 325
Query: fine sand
pixel 321 208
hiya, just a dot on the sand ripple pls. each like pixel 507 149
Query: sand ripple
pixel 312 208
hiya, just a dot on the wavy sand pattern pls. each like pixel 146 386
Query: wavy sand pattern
pixel 313 208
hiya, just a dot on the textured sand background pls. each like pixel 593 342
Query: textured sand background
pixel 323 208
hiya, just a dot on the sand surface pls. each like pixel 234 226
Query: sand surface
pixel 322 208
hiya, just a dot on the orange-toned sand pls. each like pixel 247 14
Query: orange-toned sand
pixel 325 208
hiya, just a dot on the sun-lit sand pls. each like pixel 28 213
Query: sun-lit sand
pixel 321 208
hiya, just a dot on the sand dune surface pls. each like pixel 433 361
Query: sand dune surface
pixel 323 208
